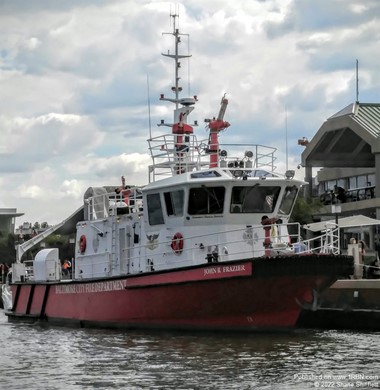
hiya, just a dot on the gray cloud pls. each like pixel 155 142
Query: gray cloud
pixel 90 60
pixel 307 16
pixel 12 7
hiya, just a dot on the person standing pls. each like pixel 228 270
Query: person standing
pixel 377 248
pixel 361 255
pixel 66 267
pixel 299 247
pixel 362 248
pixel 2 273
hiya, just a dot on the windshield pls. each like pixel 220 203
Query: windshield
pixel 288 200
pixel 254 199
pixel 206 200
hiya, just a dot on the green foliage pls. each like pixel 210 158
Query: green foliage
pixel 66 250
pixel 7 249
pixel 304 209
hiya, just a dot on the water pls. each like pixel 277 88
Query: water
pixel 48 358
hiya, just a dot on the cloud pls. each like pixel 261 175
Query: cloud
pixel 74 83
pixel 307 16
pixel 31 142
pixel 17 7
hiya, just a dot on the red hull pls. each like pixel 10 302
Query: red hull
pixel 252 295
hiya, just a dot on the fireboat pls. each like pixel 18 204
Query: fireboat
pixel 206 244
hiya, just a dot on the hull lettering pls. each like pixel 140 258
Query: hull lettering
pixel 227 269
pixel 114 285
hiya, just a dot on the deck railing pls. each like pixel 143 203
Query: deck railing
pixel 236 244
pixel 223 249
pixel 351 195
pixel 170 158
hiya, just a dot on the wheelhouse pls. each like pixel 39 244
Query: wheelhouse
pixel 214 194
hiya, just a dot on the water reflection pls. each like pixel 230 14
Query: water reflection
pixel 34 357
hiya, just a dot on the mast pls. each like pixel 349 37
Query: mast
pixel 183 106
pixel 176 56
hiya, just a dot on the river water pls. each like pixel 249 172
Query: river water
pixel 50 358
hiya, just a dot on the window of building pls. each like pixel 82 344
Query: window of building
pixel 362 181
pixel 174 202
pixel 254 199
pixel 321 188
pixel 330 185
pixel 206 200
pixel 371 180
pixel 155 215
pixel 342 183
pixel 352 183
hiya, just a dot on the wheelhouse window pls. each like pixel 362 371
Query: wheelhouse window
pixel 254 199
pixel 174 202
pixel 288 200
pixel 206 200
pixel 155 215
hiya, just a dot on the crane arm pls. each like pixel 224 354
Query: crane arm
pixel 25 246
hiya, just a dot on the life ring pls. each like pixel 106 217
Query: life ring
pixel 177 243
pixel 82 243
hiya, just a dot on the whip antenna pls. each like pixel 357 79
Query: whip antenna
pixel 150 124
pixel 357 81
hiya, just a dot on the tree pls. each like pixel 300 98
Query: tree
pixel 304 209
pixel 7 249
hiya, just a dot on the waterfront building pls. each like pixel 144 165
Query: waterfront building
pixel 7 220
pixel 346 150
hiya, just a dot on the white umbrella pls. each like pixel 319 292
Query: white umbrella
pixel 355 220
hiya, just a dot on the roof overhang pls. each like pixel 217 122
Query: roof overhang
pixel 340 142
pixel 350 138
pixel 11 215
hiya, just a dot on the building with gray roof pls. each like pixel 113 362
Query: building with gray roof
pixel 7 220
pixel 346 150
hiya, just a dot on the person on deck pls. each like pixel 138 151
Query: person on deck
pixel 66 267
pixel 300 246
pixel 125 192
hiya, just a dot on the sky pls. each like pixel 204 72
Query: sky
pixel 78 79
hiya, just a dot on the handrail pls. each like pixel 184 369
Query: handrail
pixel 169 159
pixel 111 203
pixel 325 243
pixel 224 248
pixel 351 195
